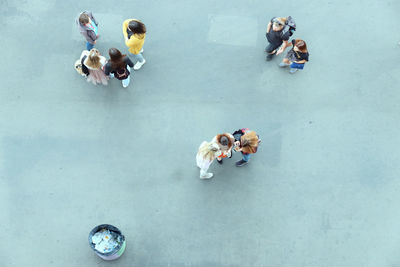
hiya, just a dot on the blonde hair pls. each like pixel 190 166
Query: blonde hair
pixel 93 59
pixel 249 142
pixel 281 20
pixel 208 151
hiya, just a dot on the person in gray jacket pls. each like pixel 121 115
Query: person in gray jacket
pixel 88 27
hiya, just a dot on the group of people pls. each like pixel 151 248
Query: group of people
pixel 98 70
pixel 95 67
pixel 222 145
pixel 279 31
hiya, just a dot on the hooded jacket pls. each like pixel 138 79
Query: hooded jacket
pixel 86 31
pixel 135 43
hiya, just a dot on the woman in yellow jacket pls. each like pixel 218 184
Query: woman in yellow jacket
pixel 135 32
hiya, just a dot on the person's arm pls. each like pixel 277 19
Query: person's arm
pixel 301 61
pixel 84 53
pixel 269 26
pixel 128 62
pixel 107 69
pixel 283 47
pixel 92 37
pixel 124 27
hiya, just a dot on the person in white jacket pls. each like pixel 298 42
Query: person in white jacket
pixel 205 156
pixel 95 62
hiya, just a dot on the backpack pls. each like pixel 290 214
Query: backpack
pixel 121 74
pixel 290 26
pixel 81 68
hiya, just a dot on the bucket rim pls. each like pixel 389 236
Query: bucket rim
pixel 107 227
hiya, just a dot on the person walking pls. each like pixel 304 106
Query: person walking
pixel 119 66
pixel 206 154
pixel 247 143
pixel 296 57
pixel 225 142
pixel 135 33
pixel 88 27
pixel 94 62
pixel 279 30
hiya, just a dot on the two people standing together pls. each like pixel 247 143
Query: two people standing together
pixel 221 146
pixel 95 67
pixel 279 31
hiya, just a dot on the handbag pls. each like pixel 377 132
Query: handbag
pixel 121 74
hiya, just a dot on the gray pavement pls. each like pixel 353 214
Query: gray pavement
pixel 323 190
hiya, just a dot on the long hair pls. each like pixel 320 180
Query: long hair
pixel 116 59
pixel 208 151
pixel 301 45
pixel 249 142
pixel 93 60
pixel 137 27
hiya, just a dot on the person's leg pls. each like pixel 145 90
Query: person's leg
pixel 293 70
pixel 138 57
pixel 246 157
pixel 271 50
pixel 125 82
pixel 89 46
pixel 243 161
pixel 285 63
pixel 139 61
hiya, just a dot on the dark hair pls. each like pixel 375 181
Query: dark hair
pixel 84 18
pixel 224 140
pixel 116 59
pixel 301 45
pixel 136 27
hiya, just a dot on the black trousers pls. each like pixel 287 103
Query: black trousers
pixel 271 47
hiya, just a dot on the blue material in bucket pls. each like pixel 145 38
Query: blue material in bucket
pixel 107 241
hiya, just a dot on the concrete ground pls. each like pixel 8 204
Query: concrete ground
pixel 322 191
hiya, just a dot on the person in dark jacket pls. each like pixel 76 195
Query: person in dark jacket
pixel 247 143
pixel 88 27
pixel 119 66
pixel 278 33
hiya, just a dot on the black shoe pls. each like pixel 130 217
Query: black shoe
pixel 269 57
pixel 219 161
pixel 240 163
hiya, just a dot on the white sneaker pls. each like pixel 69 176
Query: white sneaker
pixel 125 82
pixel 138 65
pixel 207 175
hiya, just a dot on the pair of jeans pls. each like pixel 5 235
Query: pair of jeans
pixel 246 157
pixel 89 46
pixel 138 57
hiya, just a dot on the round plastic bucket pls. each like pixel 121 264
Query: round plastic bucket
pixel 117 251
